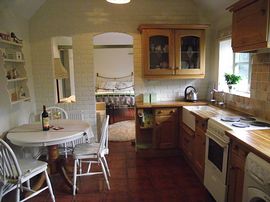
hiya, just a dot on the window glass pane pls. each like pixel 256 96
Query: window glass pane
pixel 242 69
pixel 241 57
pixel 225 62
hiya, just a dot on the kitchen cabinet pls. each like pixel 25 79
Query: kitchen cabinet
pixel 173 51
pixel 199 146
pixel 12 63
pixel 156 128
pixel 187 141
pixel 250 25
pixel 144 128
pixel 238 155
pixel 166 129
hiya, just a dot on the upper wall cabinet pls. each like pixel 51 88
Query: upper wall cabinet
pixel 250 30
pixel 173 51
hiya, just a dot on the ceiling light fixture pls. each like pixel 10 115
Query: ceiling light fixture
pixel 118 1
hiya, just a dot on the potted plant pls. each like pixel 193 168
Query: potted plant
pixel 231 79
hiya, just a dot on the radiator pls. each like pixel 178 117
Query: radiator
pixel 76 115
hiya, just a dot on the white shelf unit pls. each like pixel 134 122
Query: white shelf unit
pixel 13 67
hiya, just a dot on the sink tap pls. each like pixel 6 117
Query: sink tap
pixel 217 97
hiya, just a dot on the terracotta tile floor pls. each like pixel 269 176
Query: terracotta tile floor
pixel 134 179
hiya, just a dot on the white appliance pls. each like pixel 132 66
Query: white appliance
pixel 217 149
pixel 257 180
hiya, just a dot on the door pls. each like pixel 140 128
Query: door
pixel 158 51
pixel 189 52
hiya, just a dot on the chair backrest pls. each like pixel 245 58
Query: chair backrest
pixel 9 166
pixel 56 113
pixel 103 146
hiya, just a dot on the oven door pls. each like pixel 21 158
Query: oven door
pixel 216 160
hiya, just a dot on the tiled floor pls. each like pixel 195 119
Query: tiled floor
pixel 135 178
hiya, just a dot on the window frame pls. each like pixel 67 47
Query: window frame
pixel 238 91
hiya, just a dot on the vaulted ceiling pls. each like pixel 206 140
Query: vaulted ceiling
pixel 27 8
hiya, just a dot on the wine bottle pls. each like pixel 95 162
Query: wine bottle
pixel 45 119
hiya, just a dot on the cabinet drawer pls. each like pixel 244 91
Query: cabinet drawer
pixel 164 112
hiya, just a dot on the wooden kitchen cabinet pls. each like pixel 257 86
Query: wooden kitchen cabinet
pixel 199 147
pixel 250 25
pixel 187 141
pixel 166 128
pixel 173 51
pixel 238 155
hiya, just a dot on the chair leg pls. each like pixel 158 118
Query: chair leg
pixel 107 167
pixel 28 184
pixel 49 185
pixel 89 166
pixel 75 176
pixel 18 193
pixel 65 150
pixel 105 174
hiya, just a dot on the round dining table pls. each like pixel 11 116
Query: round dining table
pixel 61 131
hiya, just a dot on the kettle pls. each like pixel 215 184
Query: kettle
pixel 191 96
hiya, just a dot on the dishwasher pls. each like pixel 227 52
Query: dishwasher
pixel 257 180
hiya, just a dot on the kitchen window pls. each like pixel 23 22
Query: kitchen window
pixel 237 63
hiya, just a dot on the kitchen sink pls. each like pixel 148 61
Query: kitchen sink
pixel 203 107
pixel 188 118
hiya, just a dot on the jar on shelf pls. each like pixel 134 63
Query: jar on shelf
pixel 8 75
pixel 14 73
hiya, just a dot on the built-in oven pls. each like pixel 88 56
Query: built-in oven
pixel 216 162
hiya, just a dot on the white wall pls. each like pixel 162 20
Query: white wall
pixel 83 19
pixel 113 62
pixel 13 115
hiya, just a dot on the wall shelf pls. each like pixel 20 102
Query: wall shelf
pixel 12 63
pixel 18 79
pixel 21 100
pixel 11 43
pixel 14 60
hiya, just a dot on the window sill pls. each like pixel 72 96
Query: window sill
pixel 239 93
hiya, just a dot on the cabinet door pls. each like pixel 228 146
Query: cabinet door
pixel 158 52
pixel 190 52
pixel 166 129
pixel 236 172
pixel 199 152
pixel 250 26
pixel 187 137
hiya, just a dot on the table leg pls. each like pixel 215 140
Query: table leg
pixel 53 156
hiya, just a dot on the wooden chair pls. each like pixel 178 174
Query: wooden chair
pixel 15 172
pixel 92 153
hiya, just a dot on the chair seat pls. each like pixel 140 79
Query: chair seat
pixel 29 166
pixel 85 149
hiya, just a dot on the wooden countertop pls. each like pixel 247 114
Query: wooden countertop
pixel 169 104
pixel 257 141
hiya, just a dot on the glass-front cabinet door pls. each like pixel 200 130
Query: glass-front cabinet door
pixel 158 52
pixel 189 52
